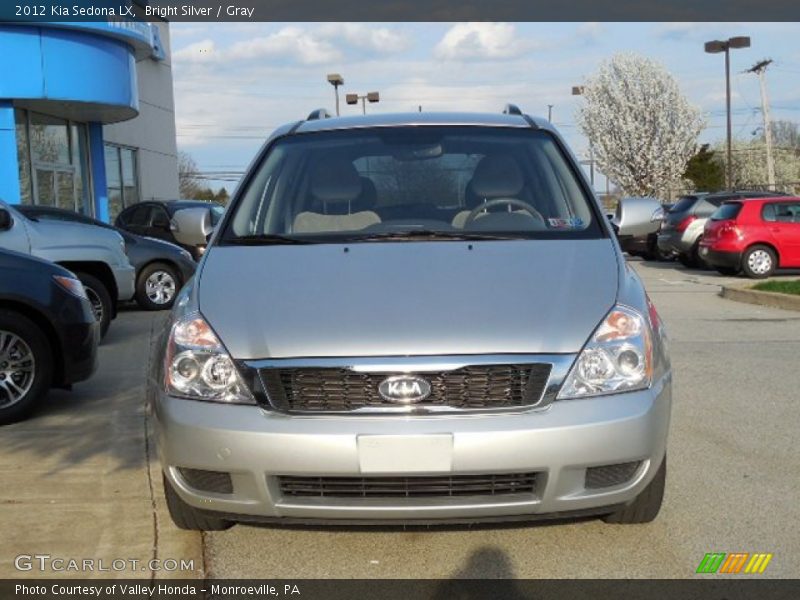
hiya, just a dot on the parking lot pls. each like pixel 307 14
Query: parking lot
pixel 83 463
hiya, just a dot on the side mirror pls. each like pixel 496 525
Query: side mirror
pixel 6 221
pixel 637 216
pixel 192 226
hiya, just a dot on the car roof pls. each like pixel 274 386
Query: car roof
pixel 419 118
pixel 761 198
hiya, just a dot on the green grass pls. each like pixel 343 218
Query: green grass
pixel 783 287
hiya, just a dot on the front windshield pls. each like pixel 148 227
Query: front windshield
pixel 363 184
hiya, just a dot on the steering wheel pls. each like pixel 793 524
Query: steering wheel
pixel 500 202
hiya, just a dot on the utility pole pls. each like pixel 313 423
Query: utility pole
pixel 760 69
pixel 550 112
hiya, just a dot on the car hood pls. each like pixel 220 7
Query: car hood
pixel 408 298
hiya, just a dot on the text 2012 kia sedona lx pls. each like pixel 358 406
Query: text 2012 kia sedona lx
pixel 413 318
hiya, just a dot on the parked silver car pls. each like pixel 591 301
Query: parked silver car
pixel 413 319
pixel 96 256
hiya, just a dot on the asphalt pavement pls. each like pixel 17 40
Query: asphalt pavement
pixel 732 482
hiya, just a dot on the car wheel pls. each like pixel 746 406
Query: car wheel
pixel 188 517
pixel 729 271
pixel 646 505
pixel 157 286
pixel 759 262
pixel 26 366
pixel 100 299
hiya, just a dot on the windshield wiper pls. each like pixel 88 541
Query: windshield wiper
pixel 266 239
pixel 428 234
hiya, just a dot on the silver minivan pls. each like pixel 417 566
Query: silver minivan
pixel 413 319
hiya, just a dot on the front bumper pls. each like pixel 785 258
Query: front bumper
pixel 559 443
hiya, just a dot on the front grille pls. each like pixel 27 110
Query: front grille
pixel 409 487
pixel 468 388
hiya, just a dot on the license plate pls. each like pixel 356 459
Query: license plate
pixel 405 453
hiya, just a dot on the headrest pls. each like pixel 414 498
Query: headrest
pixel 335 180
pixel 497 176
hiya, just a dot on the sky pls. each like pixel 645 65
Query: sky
pixel 236 82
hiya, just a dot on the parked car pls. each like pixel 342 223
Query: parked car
pixel 755 236
pixel 683 226
pixel 96 256
pixel 156 219
pixel 161 268
pixel 48 333
pixel 646 246
pixel 413 318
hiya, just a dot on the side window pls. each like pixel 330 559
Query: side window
pixel 160 217
pixel 769 214
pixel 139 216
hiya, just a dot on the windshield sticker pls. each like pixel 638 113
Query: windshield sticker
pixel 571 223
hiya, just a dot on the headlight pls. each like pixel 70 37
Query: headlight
pixel 72 285
pixel 618 357
pixel 197 366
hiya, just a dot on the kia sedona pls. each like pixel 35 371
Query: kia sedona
pixel 413 319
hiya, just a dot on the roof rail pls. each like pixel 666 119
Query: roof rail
pixel 320 113
pixel 512 109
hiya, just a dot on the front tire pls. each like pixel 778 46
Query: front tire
pixel 759 262
pixel 187 517
pixel 647 504
pixel 156 287
pixel 100 299
pixel 26 366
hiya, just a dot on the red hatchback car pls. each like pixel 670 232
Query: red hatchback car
pixel 754 236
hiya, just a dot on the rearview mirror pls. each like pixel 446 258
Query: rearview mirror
pixel 192 226
pixel 637 216
pixel 5 220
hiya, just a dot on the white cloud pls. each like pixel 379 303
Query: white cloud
pixel 367 37
pixel 203 51
pixel 289 42
pixel 490 41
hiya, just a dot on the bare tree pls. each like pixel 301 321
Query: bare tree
pixel 187 176
pixel 642 129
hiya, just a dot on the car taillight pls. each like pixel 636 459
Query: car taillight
pixel 728 229
pixel 685 223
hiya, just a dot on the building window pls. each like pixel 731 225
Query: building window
pixel 121 178
pixel 52 156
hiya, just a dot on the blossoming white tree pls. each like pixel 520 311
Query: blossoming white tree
pixel 642 129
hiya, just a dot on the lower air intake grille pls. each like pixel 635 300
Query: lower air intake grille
pixel 478 387
pixel 208 481
pixel 610 475
pixel 408 487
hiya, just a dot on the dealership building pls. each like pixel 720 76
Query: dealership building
pixel 87 115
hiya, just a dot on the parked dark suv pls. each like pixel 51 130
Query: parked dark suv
pixel 154 219
pixel 48 333
pixel 682 228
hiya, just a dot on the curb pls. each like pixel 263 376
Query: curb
pixel 774 299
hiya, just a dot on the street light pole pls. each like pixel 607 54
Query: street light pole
pixel 550 112
pixel 371 97
pixel 715 47
pixel 336 80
